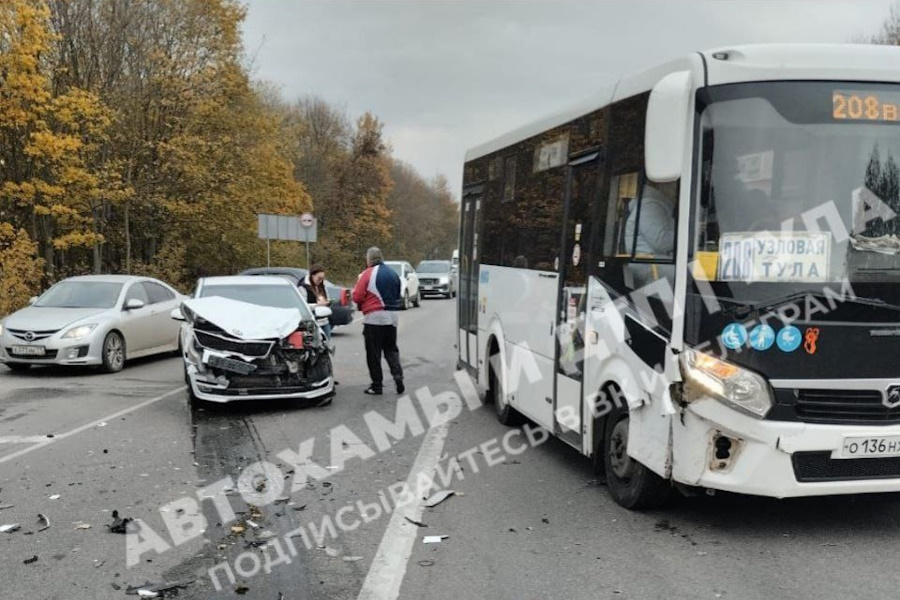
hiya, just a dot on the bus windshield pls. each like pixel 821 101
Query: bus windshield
pixel 799 187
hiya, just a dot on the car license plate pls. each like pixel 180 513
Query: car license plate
pixel 868 447
pixel 229 364
pixel 28 350
pixel 427 287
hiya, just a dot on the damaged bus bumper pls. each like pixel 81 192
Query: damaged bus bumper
pixel 781 459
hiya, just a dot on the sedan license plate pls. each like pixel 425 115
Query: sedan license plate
pixel 229 364
pixel 870 447
pixel 28 350
pixel 427 287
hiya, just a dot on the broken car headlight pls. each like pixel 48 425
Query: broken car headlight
pixel 79 332
pixel 739 388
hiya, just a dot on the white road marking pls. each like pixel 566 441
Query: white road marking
pixel 389 565
pixel 22 439
pixel 45 441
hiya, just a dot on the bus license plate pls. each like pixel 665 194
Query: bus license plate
pixel 28 350
pixel 867 447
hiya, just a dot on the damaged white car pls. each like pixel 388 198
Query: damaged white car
pixel 253 338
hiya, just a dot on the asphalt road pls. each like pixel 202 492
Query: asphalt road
pixel 533 525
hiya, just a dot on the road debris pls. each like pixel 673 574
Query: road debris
pixel 118 525
pixel 332 552
pixel 5 506
pixel 282 500
pixel 238 529
pixel 416 523
pixel 82 526
pixel 299 508
pixel 437 498
pixel 434 539
pixel 252 524
pixel 55 497
pixel 241 590
pixel 44 521
pixel 9 528
pixel 157 590
pixel 99 563
pixel 426 563
pixel 352 558
pixel 33 559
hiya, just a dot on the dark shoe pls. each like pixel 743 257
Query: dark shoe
pixel 372 391
pixel 400 387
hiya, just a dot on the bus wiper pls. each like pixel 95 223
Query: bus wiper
pixel 742 310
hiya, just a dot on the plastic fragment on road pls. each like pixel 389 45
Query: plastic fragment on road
pixel 238 529
pixel 416 523
pixel 82 526
pixel 5 506
pixel 352 558
pixel 434 539
pixel 157 590
pixel 9 528
pixel 44 521
pixel 55 497
pixel 241 590
pixel 118 525
pixel 438 497
pixel 28 561
pixel 426 563
pixel 332 552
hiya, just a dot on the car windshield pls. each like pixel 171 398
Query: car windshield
pixel 81 294
pixel 396 267
pixel 433 266
pixel 277 296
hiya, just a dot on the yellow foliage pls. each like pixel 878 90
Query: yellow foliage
pixel 20 268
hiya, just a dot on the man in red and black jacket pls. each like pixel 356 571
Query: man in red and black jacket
pixel 377 294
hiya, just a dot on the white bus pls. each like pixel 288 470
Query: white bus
pixel 695 278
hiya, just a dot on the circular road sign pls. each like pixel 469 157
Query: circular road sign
pixel 306 219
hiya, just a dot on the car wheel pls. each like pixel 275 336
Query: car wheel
pixel 18 367
pixel 631 484
pixel 453 294
pixel 405 300
pixel 113 352
pixel 417 300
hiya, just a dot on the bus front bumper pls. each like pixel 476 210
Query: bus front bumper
pixel 718 448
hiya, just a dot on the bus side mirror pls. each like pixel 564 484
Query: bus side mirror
pixel 666 133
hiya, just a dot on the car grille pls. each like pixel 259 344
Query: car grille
pixel 819 466
pixel 22 334
pixel 862 407
pixel 427 281
pixel 223 344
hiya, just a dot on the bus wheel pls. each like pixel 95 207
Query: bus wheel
pixel 631 484
pixel 506 414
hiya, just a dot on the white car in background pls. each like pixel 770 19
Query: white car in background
pixel 409 282
pixel 436 278
pixel 100 320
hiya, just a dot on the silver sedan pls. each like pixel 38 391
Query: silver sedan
pixel 99 320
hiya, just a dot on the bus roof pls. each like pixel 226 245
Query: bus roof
pixel 732 64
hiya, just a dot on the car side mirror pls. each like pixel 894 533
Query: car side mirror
pixel 322 312
pixel 177 315
pixel 134 304
pixel 32 300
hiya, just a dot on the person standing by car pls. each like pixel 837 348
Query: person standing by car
pixel 316 294
pixel 377 293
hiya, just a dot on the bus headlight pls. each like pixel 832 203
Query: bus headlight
pixel 742 389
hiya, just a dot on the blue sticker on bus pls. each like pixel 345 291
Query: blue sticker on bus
pixel 734 336
pixel 484 277
pixel 762 337
pixel 788 339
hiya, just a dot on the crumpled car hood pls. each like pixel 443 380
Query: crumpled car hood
pixel 242 319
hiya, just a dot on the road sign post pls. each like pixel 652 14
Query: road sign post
pixel 279 227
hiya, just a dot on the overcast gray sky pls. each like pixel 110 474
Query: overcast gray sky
pixel 448 75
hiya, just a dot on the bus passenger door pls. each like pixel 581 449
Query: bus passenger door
pixel 574 264
pixel 467 297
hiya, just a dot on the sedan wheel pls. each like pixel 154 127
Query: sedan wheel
pixel 405 300
pixel 113 352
